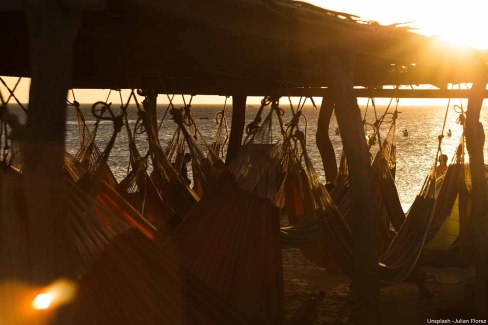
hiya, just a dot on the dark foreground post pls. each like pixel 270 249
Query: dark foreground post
pixel 323 140
pixel 475 140
pixel 237 127
pixel 366 284
pixel 52 31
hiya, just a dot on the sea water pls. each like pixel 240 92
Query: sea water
pixel 415 153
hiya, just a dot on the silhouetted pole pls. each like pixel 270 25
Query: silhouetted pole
pixel 237 127
pixel 475 140
pixel 323 140
pixel 366 285
pixel 52 31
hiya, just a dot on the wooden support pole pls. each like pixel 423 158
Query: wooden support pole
pixel 52 31
pixel 366 284
pixel 237 127
pixel 475 140
pixel 323 140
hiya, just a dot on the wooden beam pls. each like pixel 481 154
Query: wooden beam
pixel 416 93
pixel 320 92
pixel 366 282
pixel 237 127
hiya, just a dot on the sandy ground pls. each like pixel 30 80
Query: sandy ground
pixel 400 304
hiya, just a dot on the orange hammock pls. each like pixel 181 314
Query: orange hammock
pixel 400 257
pixel 122 277
pixel 231 239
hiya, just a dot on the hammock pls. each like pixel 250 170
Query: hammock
pixel 122 276
pixel 448 193
pixel 386 199
pixel 468 243
pixel 222 133
pixel 233 246
pixel 303 232
pixel 297 201
pixel 89 154
pixel 171 186
pixel 205 167
pixel 453 242
pixel 400 257
pixel 140 191
pixel 384 169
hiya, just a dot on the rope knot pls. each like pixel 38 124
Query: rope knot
pixel 295 119
pixel 187 118
pixel 118 123
pixel 395 114
pixel 461 119
pixel 177 115
pixel 300 136
pixel 253 126
pixel 371 140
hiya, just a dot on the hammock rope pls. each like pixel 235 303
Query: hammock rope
pixel 173 189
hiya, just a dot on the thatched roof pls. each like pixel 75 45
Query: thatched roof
pixel 239 46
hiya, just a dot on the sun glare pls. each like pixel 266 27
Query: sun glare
pixel 58 293
pixel 457 22
pixel 43 301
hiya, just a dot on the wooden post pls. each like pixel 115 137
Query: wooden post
pixel 237 127
pixel 52 31
pixel 475 140
pixel 323 140
pixel 366 285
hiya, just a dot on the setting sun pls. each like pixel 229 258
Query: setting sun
pixel 457 22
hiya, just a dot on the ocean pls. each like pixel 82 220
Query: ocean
pixel 415 153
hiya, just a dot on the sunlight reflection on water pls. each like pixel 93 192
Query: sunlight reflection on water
pixel 415 153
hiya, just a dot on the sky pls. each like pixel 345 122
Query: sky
pixel 463 23
pixel 460 22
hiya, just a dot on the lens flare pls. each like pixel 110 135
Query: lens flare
pixel 43 301
pixel 58 293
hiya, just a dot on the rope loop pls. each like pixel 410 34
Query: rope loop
pixel 142 92
pixel 99 108
pixel 218 117
pixel 139 127
pixel 461 119
pixel 266 101
pixel 459 109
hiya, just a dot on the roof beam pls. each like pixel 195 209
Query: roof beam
pixel 321 92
